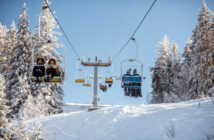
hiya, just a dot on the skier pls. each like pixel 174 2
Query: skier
pixel 103 87
pixel 39 69
pixel 127 86
pixel 137 91
pixel 52 71
pixel 110 83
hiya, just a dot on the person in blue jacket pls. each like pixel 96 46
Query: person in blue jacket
pixel 127 86
pixel 136 92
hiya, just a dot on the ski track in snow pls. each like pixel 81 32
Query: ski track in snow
pixel 133 122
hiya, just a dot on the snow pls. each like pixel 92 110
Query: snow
pixel 132 122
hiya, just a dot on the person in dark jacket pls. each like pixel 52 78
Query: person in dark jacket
pixel 52 70
pixel 39 69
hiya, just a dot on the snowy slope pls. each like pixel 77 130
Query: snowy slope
pixel 141 122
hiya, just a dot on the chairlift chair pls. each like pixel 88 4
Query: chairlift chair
pixel 80 75
pixel 103 87
pixel 87 83
pixel 109 80
pixel 132 83
pixel 40 42
pixel 54 79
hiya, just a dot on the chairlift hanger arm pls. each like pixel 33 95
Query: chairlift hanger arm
pixel 66 37
pixel 132 36
pixel 130 60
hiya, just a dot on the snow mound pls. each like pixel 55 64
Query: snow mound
pixel 177 121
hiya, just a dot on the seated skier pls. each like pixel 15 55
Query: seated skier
pixel 39 69
pixel 110 83
pixel 52 70
pixel 137 90
pixel 103 87
pixel 126 85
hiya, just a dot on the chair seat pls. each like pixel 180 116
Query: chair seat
pixel 33 79
pixel 109 80
pixel 55 79
pixel 132 79
pixel 80 81
pixel 87 85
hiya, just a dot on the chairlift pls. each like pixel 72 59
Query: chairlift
pixel 131 83
pixel 80 75
pixel 109 79
pixel 36 77
pixel 103 87
pixel 87 83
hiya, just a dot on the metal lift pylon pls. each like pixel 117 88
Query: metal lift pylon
pixel 95 64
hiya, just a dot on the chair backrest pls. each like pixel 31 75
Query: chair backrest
pixel 131 79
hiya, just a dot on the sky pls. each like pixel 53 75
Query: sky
pixel 101 27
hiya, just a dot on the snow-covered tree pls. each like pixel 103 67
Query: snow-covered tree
pixel 3 49
pixel 5 132
pixel 176 69
pixel 187 53
pixel 35 106
pixel 7 42
pixel 165 76
pixel 199 48
pixel 18 83
pixel 175 57
pixel 23 131
pixel 52 92
pixel 209 67
pixel 162 76
pixel 184 86
pixel 12 37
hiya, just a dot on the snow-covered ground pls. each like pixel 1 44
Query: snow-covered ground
pixel 177 121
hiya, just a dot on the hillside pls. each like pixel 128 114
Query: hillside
pixel 186 120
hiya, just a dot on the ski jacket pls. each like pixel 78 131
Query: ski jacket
pixel 39 71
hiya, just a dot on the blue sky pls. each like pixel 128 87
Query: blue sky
pixel 101 27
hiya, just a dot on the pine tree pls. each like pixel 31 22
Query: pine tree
pixel 12 36
pixel 23 131
pixel 3 49
pixel 209 72
pixel 52 92
pixel 187 53
pixel 18 83
pixel 199 48
pixel 184 73
pixel 176 57
pixel 176 69
pixel 159 72
pixel 5 132
pixel 165 73
pixel 34 106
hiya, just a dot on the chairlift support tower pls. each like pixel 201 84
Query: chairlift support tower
pixel 95 64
